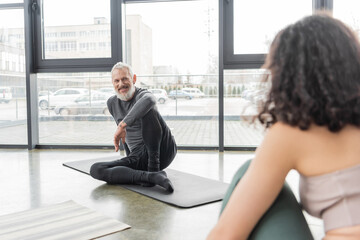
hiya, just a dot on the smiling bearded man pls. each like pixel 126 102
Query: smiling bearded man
pixel 148 141
pixel 126 90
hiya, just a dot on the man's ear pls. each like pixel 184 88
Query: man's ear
pixel 134 78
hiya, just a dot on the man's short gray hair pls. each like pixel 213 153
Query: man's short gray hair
pixel 121 65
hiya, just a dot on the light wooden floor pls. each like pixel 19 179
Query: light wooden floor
pixel 30 179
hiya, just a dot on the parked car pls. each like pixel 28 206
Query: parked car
pixel 160 94
pixel 61 96
pixel 45 93
pixel 5 94
pixel 85 105
pixel 179 94
pixel 194 92
pixel 109 90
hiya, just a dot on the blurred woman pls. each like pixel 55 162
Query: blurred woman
pixel 313 117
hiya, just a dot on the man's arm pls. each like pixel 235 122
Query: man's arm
pixel 145 102
pixel 120 134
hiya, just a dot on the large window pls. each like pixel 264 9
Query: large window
pixel 71 32
pixel 244 94
pixel 206 79
pixel 76 36
pixel 255 25
pixel 178 59
pixel 175 59
pixel 13 114
pixel 250 26
pixel 73 109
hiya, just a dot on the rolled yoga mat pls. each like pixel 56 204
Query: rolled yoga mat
pixel 67 220
pixel 190 190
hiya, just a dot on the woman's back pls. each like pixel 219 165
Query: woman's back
pixel 329 167
pixel 321 151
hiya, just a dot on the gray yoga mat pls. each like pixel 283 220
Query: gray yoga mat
pixel 190 190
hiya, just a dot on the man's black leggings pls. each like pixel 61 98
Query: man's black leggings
pixel 133 169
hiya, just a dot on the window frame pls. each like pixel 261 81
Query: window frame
pixel 20 6
pixel 35 63
pixel 249 61
pixel 78 64
pixel 231 60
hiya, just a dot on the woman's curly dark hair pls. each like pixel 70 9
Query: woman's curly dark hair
pixel 315 75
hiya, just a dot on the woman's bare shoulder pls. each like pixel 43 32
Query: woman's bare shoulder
pixel 287 141
pixel 285 131
pixel 280 145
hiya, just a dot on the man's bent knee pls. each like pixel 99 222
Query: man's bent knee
pixel 97 171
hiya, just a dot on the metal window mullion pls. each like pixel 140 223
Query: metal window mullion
pixel 116 30
pixel 319 5
pixel 228 25
pixel 30 76
pixel 37 39
pixel 221 75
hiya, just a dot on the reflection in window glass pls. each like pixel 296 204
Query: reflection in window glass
pixel 81 34
pixel 256 22
pixel 244 93
pixel 12 78
pixel 349 12
pixel 177 57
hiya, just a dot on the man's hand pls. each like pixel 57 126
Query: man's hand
pixel 120 134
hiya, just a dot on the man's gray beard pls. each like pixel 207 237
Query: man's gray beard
pixel 127 96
